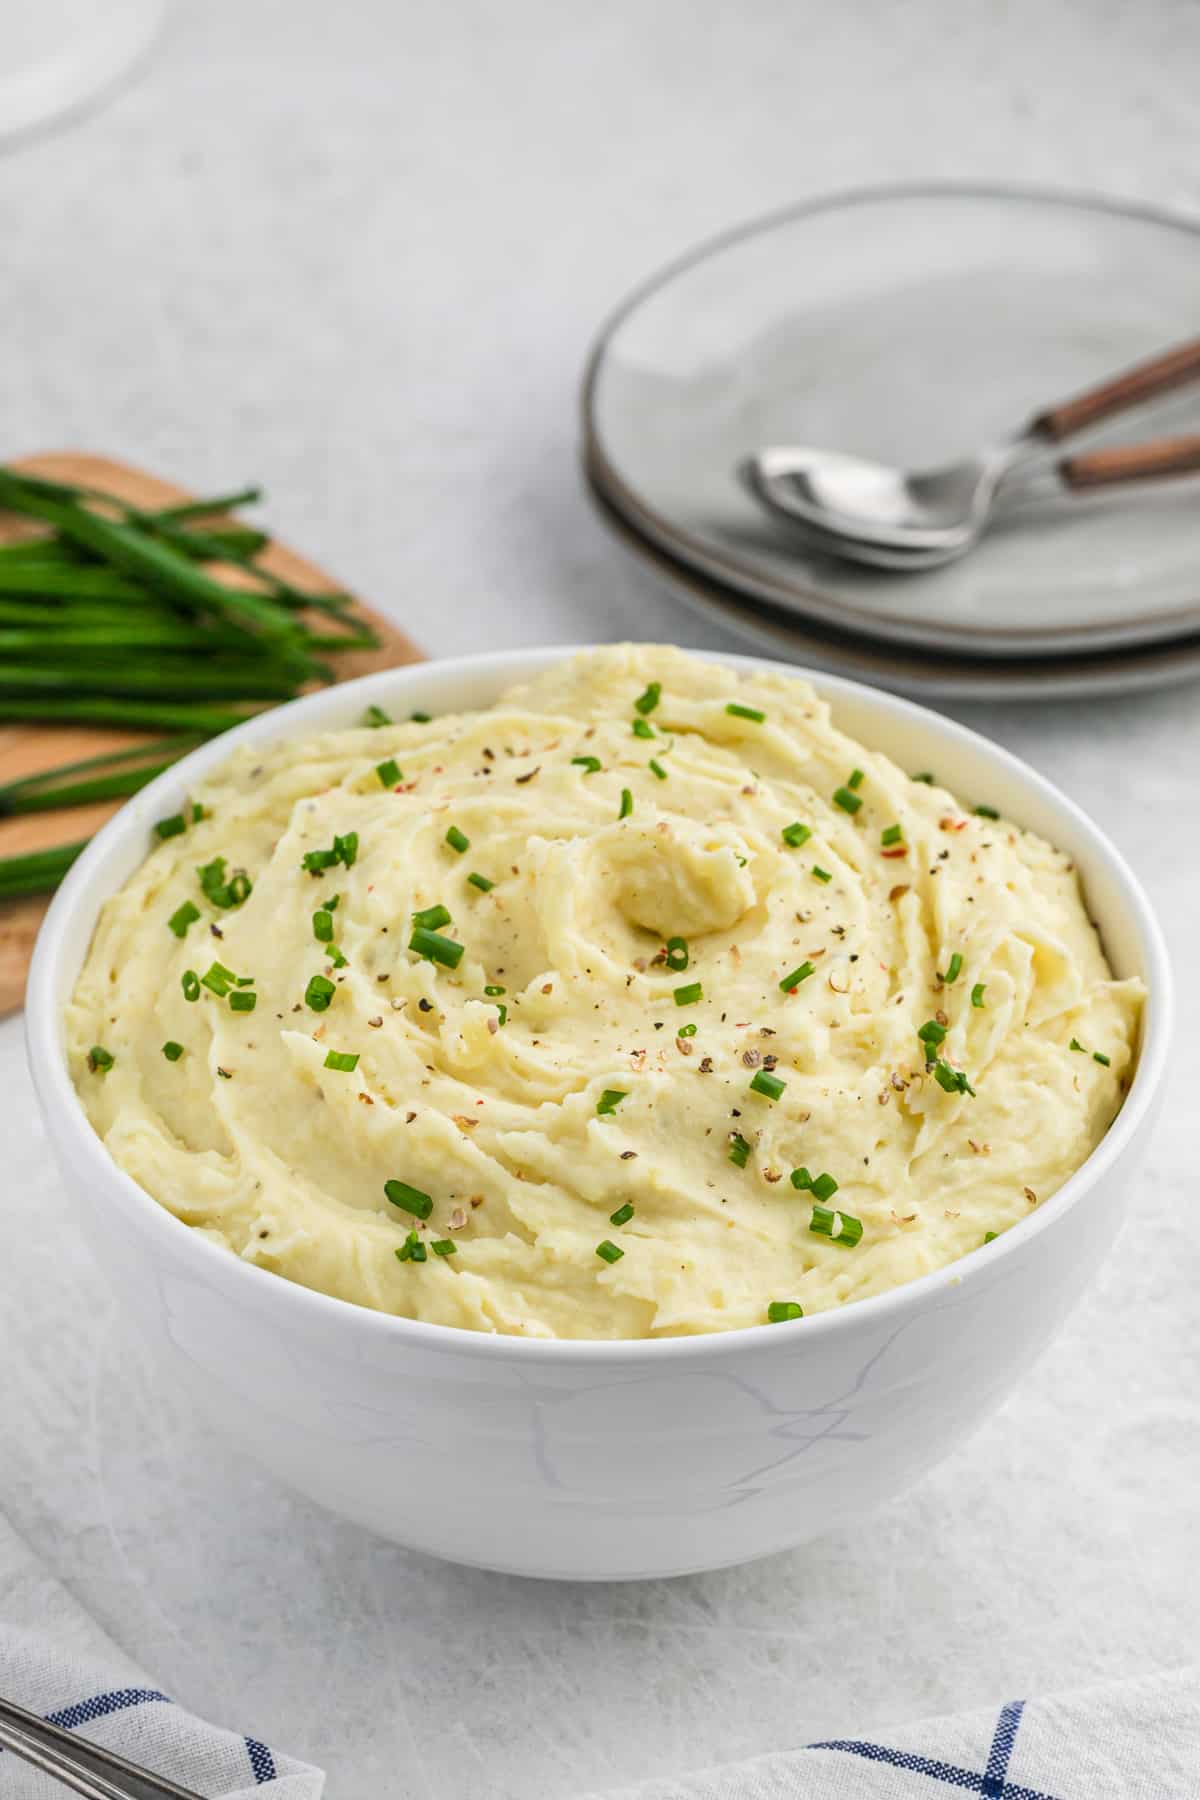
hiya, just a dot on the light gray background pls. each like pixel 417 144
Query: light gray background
pixel 358 251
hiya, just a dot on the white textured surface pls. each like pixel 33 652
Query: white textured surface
pixel 359 252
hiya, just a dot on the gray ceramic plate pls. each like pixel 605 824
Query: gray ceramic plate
pixel 911 325
pixel 900 667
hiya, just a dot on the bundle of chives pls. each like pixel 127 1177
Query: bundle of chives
pixel 159 620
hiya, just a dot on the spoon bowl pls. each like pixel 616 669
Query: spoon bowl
pixel 887 517
pixel 871 513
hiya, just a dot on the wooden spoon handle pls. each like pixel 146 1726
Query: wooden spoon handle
pixel 1131 462
pixel 1158 376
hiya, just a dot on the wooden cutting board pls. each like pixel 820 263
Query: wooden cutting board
pixel 27 748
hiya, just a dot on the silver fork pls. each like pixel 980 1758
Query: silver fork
pixel 79 1764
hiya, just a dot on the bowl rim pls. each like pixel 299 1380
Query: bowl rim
pixel 63 1111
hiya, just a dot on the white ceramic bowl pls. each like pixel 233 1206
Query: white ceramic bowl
pixel 599 1460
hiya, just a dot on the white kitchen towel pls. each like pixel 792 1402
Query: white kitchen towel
pixel 55 1660
pixel 1131 1740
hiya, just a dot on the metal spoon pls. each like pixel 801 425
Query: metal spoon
pixel 865 510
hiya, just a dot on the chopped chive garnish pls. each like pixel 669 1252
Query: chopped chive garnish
pixel 642 728
pixel 821 874
pixel 432 917
pixel 182 917
pixel 100 1060
pixel 924 776
pixel 626 804
pixel 408 1199
pixel 1076 1045
pixel 190 983
pixel 767 1084
pixel 444 1247
pixel 217 890
pixel 953 969
pixel 609 1252
pixel 856 779
pixel 610 1099
pixel 330 905
pixel 491 989
pixel 658 769
pixel 244 1000
pixel 739 1150
pixel 989 1237
pixel 780 1311
pixel 219 980
pixel 836 1225
pixel 737 711
pixel 646 703
pixel 677 955
pixel 343 850
pixel 198 812
pixel 791 982
pixel 796 834
pixel 314 861
pixel 591 765
pixel 894 834
pixel 335 956
pixel 931 1033
pixel 688 996
pixel 319 993
pixel 458 840
pixel 389 772
pixel 800 1178
pixel 846 799
pixel 412 1250
pixel 172 1051
pixel 622 1215
pixel 482 883
pixel 686 1031
pixel 501 1012
pixel 1104 1061
pixel 376 716
pixel 436 948
pixel 322 924
pixel 953 1081
pixel 421 718
pixel 977 993
pixel 986 812
pixel 823 1188
pixel 175 826
pixel 345 1061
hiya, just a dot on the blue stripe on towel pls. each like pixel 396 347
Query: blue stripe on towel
pixel 993 1784
pixel 100 1705
pixel 261 1761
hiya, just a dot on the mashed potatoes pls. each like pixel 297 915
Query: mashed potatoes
pixel 643 1003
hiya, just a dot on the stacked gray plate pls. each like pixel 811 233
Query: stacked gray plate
pixel 912 326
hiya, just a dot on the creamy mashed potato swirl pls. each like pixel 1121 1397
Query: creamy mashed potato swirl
pixel 585 1139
